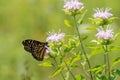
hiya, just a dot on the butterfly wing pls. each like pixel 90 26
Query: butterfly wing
pixel 27 45
pixel 36 48
pixel 39 52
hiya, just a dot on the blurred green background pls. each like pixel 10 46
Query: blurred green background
pixel 32 19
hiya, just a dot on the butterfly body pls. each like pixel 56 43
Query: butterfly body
pixel 36 48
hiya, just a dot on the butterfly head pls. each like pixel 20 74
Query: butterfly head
pixel 26 42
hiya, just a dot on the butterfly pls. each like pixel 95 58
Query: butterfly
pixel 36 48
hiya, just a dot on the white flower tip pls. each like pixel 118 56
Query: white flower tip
pixel 107 34
pixel 55 37
pixel 102 13
pixel 72 5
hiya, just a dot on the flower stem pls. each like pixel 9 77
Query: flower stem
pixel 108 64
pixel 69 70
pixel 106 61
pixel 82 47
pixel 67 66
pixel 57 66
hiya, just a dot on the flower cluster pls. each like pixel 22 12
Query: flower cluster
pixel 55 37
pixel 102 16
pixel 108 34
pixel 102 13
pixel 73 5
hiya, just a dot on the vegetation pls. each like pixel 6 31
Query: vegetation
pixel 33 19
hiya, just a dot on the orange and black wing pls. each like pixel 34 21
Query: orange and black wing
pixel 36 48
pixel 39 52
pixel 27 45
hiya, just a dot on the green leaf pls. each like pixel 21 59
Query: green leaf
pixel 98 68
pixel 67 76
pixel 67 48
pixel 70 61
pixel 118 72
pixel 75 66
pixel 116 61
pixel 59 70
pixel 84 38
pixel 75 59
pixel 112 77
pixel 67 23
pixel 95 41
pixel 96 51
pixel 91 28
pixel 112 18
pixel 46 64
pixel 103 78
pixel 114 48
pixel 116 35
pixel 73 43
pixel 79 77
pixel 81 19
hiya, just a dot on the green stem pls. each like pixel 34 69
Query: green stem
pixel 57 66
pixel 67 65
pixel 108 64
pixel 82 47
pixel 107 61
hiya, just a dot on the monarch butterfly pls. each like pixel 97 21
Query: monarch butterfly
pixel 36 48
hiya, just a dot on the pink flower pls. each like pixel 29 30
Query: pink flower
pixel 102 13
pixel 47 51
pixel 73 5
pixel 108 34
pixel 55 37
